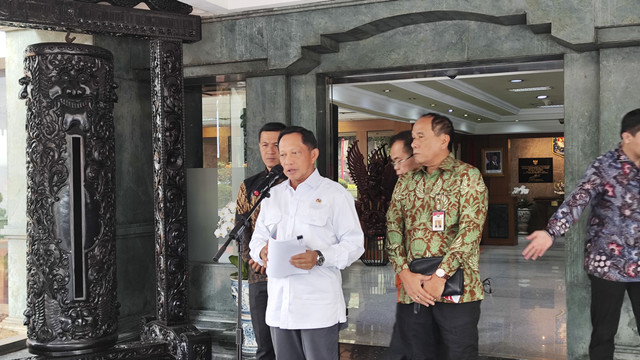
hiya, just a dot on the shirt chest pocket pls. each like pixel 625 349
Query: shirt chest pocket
pixel 316 222
pixel 271 221
pixel 318 216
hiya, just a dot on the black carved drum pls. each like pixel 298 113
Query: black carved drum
pixel 72 303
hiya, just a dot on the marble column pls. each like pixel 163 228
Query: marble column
pixel 618 96
pixel 581 93
pixel 267 101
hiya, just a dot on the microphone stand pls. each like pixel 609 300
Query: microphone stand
pixel 237 233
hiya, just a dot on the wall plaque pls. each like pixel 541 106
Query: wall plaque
pixel 535 170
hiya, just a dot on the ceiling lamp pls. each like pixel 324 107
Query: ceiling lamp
pixel 515 80
pixel 535 88
pixel 450 110
pixel 550 106
pixel 386 90
pixel 541 97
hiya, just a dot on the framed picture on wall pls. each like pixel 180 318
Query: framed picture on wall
pixel 492 162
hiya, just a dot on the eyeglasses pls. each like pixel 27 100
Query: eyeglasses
pixel 397 163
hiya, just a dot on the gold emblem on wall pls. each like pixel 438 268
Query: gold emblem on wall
pixel 558 146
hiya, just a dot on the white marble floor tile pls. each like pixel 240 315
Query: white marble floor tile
pixel 524 317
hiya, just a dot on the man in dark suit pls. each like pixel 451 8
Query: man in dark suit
pixel 494 164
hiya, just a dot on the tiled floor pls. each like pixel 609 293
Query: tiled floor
pixel 524 317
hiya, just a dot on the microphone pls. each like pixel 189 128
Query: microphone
pixel 276 173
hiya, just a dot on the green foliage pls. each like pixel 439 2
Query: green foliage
pixel 343 182
pixel 245 267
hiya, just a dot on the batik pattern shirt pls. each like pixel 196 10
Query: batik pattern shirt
pixel 244 204
pixel 611 185
pixel 463 197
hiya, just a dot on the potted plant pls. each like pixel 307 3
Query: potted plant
pixel 226 222
pixel 523 206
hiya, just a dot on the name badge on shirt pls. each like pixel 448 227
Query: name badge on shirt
pixel 437 218
pixel 437 221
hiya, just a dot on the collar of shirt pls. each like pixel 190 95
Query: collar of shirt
pixel 448 164
pixel 313 181
pixel 627 166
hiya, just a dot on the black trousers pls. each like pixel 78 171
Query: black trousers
pixel 443 331
pixel 258 303
pixel 606 304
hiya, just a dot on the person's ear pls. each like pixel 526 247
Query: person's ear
pixel 314 154
pixel 445 141
pixel 626 137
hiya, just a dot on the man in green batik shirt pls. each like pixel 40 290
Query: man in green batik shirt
pixel 441 327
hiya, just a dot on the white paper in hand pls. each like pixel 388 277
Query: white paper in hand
pixel 280 251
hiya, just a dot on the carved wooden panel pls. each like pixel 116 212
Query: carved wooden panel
pixel 172 261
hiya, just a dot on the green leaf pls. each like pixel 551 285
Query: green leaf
pixel 245 267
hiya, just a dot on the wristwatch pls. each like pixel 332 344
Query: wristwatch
pixel 320 259
pixel 441 274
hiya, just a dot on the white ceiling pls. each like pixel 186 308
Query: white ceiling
pixel 480 103
pixel 223 7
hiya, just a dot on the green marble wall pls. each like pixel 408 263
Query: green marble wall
pixel 135 252
pixel 598 41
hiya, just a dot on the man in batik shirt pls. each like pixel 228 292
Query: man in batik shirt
pixel 611 185
pixel 437 210
pixel 268 144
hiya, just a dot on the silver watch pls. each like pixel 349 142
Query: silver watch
pixel 320 259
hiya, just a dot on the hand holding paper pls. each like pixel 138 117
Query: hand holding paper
pixel 280 252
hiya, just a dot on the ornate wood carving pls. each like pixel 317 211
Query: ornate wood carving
pixel 134 350
pixel 169 182
pixel 185 342
pixel 162 5
pixel 85 17
pixel 375 182
pixel 71 270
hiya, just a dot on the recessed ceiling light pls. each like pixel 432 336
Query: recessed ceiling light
pixel 450 110
pixel 536 88
pixel 433 105
pixel 515 80
pixel 465 115
pixel 386 90
pixel 516 120
pixel 541 97
pixel 550 106
pixel 479 119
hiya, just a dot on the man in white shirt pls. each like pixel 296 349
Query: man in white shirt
pixel 304 310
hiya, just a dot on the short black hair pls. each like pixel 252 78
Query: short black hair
pixel 272 126
pixel 307 136
pixel 406 138
pixel 630 122
pixel 441 124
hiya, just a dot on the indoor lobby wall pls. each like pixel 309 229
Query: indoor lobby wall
pixel 535 148
pixel 597 43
